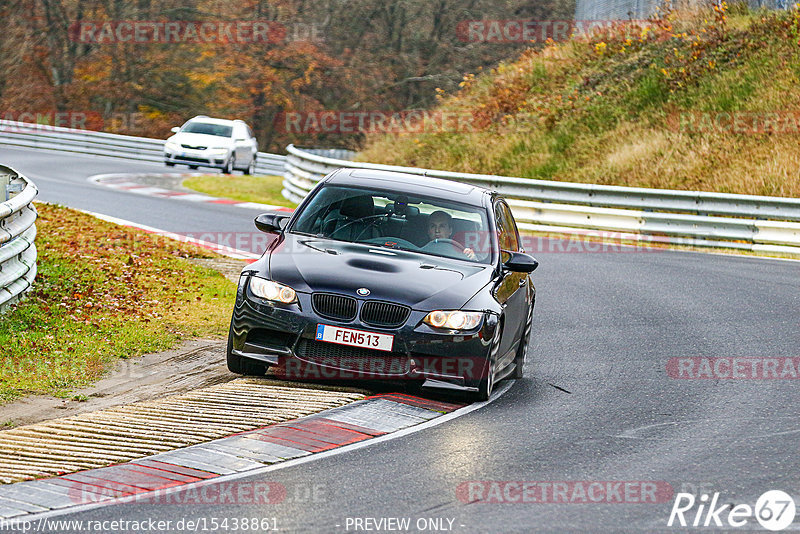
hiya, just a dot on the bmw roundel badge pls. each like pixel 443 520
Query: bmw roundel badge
pixel 363 292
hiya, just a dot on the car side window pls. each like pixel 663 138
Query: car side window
pixel 506 227
pixel 249 133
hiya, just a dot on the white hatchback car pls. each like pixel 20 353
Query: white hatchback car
pixel 207 142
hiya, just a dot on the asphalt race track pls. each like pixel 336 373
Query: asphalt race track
pixel 62 179
pixel 596 406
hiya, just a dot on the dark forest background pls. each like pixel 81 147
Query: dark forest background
pixel 373 55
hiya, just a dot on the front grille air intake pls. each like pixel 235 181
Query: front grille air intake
pixel 357 359
pixel 336 307
pixel 384 314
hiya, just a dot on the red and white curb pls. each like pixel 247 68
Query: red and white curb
pixel 127 182
pixel 222 250
pixel 152 478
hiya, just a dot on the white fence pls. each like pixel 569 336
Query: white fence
pixel 767 224
pixel 17 234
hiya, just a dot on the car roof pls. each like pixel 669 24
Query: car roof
pixel 410 183
pixel 211 120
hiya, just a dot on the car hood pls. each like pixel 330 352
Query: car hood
pixel 421 281
pixel 205 140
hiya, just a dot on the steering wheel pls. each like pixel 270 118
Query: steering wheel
pixel 435 246
pixel 453 242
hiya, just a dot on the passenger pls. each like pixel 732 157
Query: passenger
pixel 440 226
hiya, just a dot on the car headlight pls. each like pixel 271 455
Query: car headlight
pixel 454 320
pixel 219 150
pixel 267 289
pixel 169 145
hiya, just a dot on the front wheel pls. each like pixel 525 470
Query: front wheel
pixel 251 169
pixel 487 380
pixel 229 165
pixel 486 384
pixel 243 366
pixel 519 359
pixel 169 163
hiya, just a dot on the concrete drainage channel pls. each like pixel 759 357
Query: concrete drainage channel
pixel 134 450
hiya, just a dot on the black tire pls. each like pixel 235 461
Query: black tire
pixel 169 164
pixel 229 165
pixel 243 366
pixel 193 167
pixel 486 385
pixel 519 359
pixel 251 169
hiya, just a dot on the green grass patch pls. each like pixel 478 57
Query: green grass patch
pixel 261 189
pixel 104 292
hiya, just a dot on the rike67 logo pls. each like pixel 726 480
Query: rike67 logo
pixel 774 510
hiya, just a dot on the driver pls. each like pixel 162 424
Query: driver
pixel 440 226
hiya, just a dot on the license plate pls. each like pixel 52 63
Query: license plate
pixel 354 338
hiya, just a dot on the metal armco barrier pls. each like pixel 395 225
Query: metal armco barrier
pixel 766 224
pixel 46 137
pixel 17 234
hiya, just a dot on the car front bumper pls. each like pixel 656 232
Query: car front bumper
pixel 285 337
pixel 196 157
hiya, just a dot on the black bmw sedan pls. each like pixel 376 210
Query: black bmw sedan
pixel 388 276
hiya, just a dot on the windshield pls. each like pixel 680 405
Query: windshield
pixel 208 128
pixel 394 220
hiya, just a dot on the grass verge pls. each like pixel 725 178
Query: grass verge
pixel 261 189
pixel 104 292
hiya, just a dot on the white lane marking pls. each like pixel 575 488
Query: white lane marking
pixel 197 197
pixel 220 249
pixel 282 465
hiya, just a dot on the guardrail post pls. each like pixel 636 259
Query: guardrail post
pixel 13 188
pixel 5 181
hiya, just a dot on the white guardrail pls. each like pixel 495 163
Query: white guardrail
pixel 764 224
pixel 46 137
pixel 17 234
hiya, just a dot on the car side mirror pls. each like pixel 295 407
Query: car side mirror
pixel 519 262
pixel 175 129
pixel 271 222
